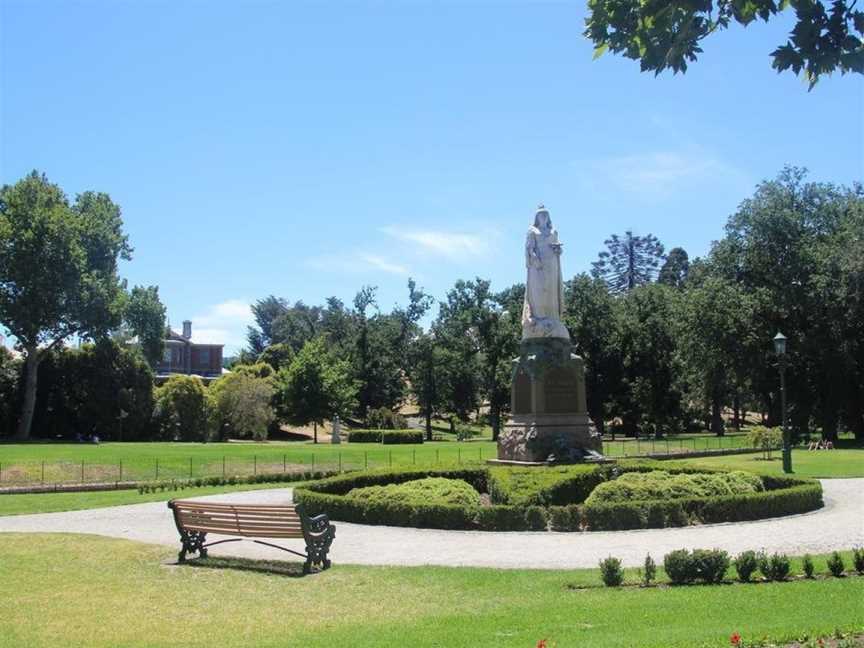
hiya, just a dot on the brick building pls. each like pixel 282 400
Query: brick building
pixel 183 355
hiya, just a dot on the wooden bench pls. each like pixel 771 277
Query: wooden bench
pixel 195 520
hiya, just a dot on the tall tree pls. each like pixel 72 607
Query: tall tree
pixel 785 247
pixel 675 269
pixel 266 312
pixel 145 317
pixel 58 271
pixel 315 387
pixel 663 35
pixel 714 325
pixel 592 317
pixel 628 261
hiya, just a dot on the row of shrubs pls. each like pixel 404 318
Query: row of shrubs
pixel 782 496
pixel 200 482
pixel 684 567
pixel 387 437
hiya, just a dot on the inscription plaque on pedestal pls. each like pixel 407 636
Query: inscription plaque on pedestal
pixel 561 389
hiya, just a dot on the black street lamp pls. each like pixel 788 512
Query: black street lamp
pixel 780 350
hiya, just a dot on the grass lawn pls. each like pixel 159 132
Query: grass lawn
pixel 53 502
pixel 74 590
pixel 805 463
pixel 108 462
pixel 66 462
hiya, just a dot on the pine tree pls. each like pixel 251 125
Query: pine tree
pixel 628 261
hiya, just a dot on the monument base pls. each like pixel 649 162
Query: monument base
pixel 549 438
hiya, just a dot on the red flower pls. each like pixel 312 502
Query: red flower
pixel 735 639
pixel 541 643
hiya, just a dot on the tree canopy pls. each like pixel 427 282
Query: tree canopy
pixel 628 261
pixel 58 271
pixel 668 35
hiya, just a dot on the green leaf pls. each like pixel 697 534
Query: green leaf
pixel 600 50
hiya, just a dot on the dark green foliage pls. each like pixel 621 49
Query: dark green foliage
pixel 200 482
pixel 383 418
pixel 708 565
pixel 565 518
pixel 102 389
pixel 628 261
pixel 58 272
pixel 315 387
pixel 387 437
pixel 10 373
pixel 661 485
pixel 536 518
pixel 800 498
pixel 145 316
pixel 181 409
pixel 502 518
pixel 858 559
pixel 675 269
pixel 429 490
pixel 679 567
pixel 836 565
pixel 611 572
pixel 746 564
pixel 826 36
pixel 278 356
pixel 775 567
pixel 649 571
pixel 807 565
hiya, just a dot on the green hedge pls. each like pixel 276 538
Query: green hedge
pixel 802 497
pixel 544 506
pixel 199 482
pixel 387 437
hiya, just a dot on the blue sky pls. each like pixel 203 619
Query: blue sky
pixel 306 149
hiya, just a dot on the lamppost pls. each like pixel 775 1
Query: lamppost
pixel 780 350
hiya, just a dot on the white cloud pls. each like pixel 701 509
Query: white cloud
pixel 454 245
pixel 658 174
pixel 357 262
pixel 223 323
pixel 384 265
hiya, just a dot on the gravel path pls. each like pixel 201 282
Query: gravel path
pixel 839 525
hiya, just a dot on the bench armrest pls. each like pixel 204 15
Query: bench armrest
pixel 319 523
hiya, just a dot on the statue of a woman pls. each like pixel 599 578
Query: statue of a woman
pixel 544 291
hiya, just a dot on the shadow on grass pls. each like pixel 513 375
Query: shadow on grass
pixel 274 567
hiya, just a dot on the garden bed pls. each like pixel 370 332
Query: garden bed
pixel 558 499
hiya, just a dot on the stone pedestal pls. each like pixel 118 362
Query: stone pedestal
pixel 549 419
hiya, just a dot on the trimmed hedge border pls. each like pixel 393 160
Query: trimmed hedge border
pixel 201 482
pixel 385 437
pixel 783 496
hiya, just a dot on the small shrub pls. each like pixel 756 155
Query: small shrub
pixel 431 490
pixel 679 567
pixel 565 518
pixel 710 564
pixel 836 565
pixel 383 418
pixel 775 567
pixel 858 559
pixel 662 485
pixel 387 437
pixel 611 572
pixel 535 518
pixel 649 571
pixel 746 563
pixel 807 565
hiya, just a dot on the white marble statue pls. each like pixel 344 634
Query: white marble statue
pixel 544 289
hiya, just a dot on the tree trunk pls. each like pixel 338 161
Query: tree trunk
pixel 315 431
pixel 716 417
pixel 736 406
pixel 31 367
pixel 495 420
pixel 428 423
